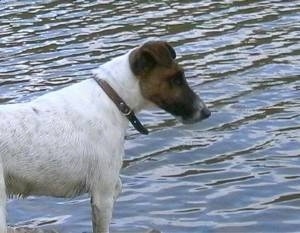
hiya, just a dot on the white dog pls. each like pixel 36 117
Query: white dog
pixel 71 141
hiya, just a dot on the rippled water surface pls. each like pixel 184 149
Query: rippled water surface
pixel 238 171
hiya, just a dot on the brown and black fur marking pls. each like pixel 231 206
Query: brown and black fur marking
pixel 162 80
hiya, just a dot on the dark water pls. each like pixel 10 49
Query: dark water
pixel 239 171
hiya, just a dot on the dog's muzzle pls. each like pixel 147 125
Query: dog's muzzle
pixel 205 113
pixel 201 112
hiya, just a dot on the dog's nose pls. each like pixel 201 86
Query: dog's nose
pixel 205 113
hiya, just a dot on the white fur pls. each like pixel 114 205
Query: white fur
pixel 69 142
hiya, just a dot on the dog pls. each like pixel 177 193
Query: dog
pixel 71 141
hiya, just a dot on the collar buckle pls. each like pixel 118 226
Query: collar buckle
pixel 125 109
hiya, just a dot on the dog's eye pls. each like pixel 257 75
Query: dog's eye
pixel 178 80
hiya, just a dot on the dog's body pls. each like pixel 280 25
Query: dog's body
pixel 71 141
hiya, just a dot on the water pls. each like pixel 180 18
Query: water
pixel 235 172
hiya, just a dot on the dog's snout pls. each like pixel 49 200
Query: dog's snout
pixel 205 112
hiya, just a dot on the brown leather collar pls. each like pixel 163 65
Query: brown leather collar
pixel 121 105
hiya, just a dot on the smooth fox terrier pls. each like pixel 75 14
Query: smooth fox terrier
pixel 71 141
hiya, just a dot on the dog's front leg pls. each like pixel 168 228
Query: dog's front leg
pixel 102 201
pixel 101 213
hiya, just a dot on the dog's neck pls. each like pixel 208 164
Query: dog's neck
pixel 118 74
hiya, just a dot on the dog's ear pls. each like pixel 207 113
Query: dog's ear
pixel 141 61
pixel 171 50
pixel 145 58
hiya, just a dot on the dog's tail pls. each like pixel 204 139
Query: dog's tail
pixel 3 228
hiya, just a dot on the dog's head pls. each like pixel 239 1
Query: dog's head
pixel 162 82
